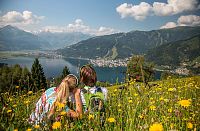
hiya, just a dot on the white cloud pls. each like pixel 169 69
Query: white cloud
pixel 79 26
pixel 188 20
pixel 142 10
pixel 168 25
pixel 174 7
pixel 19 19
pixel 138 12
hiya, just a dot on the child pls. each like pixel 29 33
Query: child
pixel 88 77
pixel 46 105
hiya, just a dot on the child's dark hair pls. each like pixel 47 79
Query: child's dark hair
pixel 88 75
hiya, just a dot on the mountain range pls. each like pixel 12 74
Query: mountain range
pixel 12 39
pixel 61 40
pixel 175 53
pixel 123 45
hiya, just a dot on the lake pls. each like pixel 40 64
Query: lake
pixel 54 67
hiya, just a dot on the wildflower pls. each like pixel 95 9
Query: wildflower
pixel 30 92
pixel 17 87
pixel 60 105
pixel 26 102
pixel 111 120
pixel 15 129
pixel 159 88
pixel 90 116
pixel 63 113
pixel 135 94
pixel 184 103
pixel 14 105
pixel 56 125
pixel 115 90
pixel 166 100
pixel 171 89
pixel 119 105
pixel 119 110
pixel 130 101
pixel 161 99
pixel 37 126
pixel 8 111
pixel 170 110
pixel 151 98
pixel 172 125
pixel 10 99
pixel 141 116
pixel 132 83
pixel 152 107
pixel 189 125
pixel 29 129
pixel 156 127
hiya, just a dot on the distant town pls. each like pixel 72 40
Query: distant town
pixel 109 63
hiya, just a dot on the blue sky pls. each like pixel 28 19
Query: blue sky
pixel 98 16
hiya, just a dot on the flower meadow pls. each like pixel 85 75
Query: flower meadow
pixel 169 105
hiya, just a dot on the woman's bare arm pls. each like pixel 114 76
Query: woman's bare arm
pixel 78 111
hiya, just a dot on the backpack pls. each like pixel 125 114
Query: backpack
pixel 94 102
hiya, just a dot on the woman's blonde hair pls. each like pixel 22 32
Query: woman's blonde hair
pixel 62 91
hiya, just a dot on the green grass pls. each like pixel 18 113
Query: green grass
pixel 128 109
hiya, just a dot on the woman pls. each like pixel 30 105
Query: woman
pixel 56 98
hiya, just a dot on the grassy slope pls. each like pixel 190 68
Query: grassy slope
pixel 126 109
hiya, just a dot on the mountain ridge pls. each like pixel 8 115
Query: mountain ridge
pixel 127 44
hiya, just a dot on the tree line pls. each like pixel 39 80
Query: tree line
pixel 13 78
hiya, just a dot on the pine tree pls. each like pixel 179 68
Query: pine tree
pixel 38 77
pixel 65 72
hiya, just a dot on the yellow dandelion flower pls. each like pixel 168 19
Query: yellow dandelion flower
pixel 14 105
pixel 15 129
pixel 30 92
pixel 135 94
pixel 151 98
pixel 166 100
pixel 111 120
pixel 56 125
pixel 63 113
pixel 26 102
pixel 161 99
pixel 152 107
pixel 8 111
pixel 172 125
pixel 130 101
pixel 184 103
pixel 189 125
pixel 132 83
pixel 141 116
pixel 119 110
pixel 60 105
pixel 29 129
pixel 170 110
pixel 156 127
pixel 90 117
pixel 159 88
pixel 37 126
pixel 16 87
pixel 171 89
pixel 10 99
pixel 115 90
